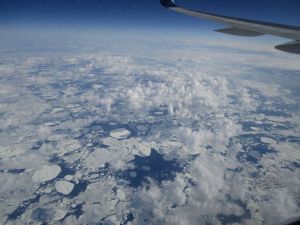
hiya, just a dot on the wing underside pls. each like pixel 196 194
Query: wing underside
pixel 245 27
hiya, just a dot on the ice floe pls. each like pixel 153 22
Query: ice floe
pixel 144 151
pixel 121 194
pixel 46 173
pixel 59 214
pixel 133 174
pixel 68 177
pixel 146 168
pixel 267 140
pixel 255 128
pixel 94 176
pixel 64 187
pixel 120 133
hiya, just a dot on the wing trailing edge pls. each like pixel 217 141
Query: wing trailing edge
pixel 239 32
pixel 245 27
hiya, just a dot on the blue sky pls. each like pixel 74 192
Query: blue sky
pixel 143 13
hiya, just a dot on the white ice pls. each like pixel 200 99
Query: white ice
pixel 267 140
pixel 120 133
pixel 64 187
pixel 46 173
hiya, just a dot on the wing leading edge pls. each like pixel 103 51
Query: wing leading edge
pixel 246 27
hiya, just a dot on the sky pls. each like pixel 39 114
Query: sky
pixel 138 13
pixel 64 22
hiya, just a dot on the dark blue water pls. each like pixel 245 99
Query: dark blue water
pixel 253 148
pixel 160 169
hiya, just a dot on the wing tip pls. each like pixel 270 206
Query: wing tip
pixel 168 3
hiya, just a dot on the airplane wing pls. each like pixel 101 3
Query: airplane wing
pixel 246 27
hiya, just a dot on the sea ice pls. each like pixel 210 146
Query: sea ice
pixel 46 173
pixel 145 151
pixel 133 174
pixel 121 195
pixel 64 187
pixel 267 140
pixel 59 214
pixel 68 177
pixel 120 133
pixel 254 128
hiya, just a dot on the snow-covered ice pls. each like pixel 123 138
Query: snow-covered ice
pixel 144 151
pixel 64 187
pixel 267 140
pixel 120 133
pixel 133 174
pixel 46 173
pixel 68 177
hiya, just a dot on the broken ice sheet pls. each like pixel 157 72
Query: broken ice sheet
pixel 64 187
pixel 46 173
pixel 120 133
